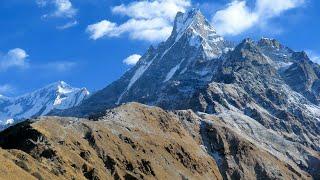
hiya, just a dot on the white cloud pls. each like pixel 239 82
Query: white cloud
pixel 62 8
pixel 132 60
pixel 315 57
pixel 271 8
pixel 101 29
pixel 166 9
pixel 68 25
pixel 14 58
pixel 234 19
pixel 237 17
pixel 148 20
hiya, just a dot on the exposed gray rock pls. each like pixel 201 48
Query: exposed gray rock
pixel 264 82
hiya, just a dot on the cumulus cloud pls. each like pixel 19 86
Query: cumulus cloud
pixel 62 8
pixel 132 60
pixel 148 20
pixel 238 17
pixel 271 8
pixel 152 9
pixel 14 58
pixel 102 28
pixel 234 19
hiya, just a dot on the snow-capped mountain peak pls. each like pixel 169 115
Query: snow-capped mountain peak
pixel 193 29
pixel 59 86
pixel 192 19
pixel 196 26
pixel 58 95
pixel 193 41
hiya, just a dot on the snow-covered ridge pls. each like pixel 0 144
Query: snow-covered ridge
pixel 194 20
pixel 200 32
pixel 58 95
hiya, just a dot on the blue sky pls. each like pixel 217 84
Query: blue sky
pixel 85 42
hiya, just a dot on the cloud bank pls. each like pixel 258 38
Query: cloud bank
pixel 148 20
pixel 238 17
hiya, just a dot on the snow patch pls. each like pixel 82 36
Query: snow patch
pixel 285 65
pixel 172 72
pixel 9 121
pixel 314 110
pixel 139 72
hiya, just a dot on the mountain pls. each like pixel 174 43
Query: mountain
pixel 213 109
pixel 185 59
pixel 58 95
pixel 136 141
pixel 197 69
pixel 269 87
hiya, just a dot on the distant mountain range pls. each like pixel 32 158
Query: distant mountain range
pixel 57 95
pixel 207 108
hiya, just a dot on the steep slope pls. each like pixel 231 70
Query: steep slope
pixel 248 82
pixel 301 74
pixel 188 53
pixel 136 141
pixel 255 142
pixel 130 142
pixel 10 170
pixel 302 77
pixel 197 69
pixel 58 95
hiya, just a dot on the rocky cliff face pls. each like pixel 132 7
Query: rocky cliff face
pixel 197 69
pixel 136 141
